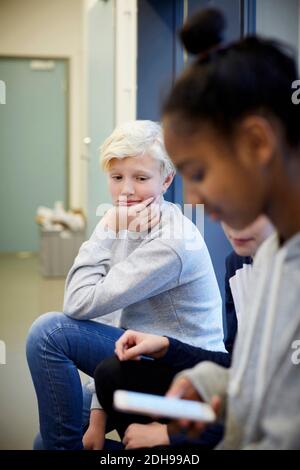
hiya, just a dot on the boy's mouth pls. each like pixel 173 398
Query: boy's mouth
pixel 129 202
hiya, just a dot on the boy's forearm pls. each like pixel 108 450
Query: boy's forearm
pixel 98 418
pixel 184 356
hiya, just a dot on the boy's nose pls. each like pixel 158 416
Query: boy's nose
pixel 127 189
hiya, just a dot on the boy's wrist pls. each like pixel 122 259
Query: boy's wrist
pixel 97 417
pixel 164 348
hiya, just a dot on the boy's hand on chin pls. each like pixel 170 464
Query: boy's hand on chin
pixel 137 218
pixel 144 215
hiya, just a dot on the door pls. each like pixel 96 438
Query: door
pixel 33 147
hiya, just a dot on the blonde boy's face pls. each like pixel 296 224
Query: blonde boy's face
pixel 134 179
pixel 246 242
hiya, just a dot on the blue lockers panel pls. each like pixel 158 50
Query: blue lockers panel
pixel 160 59
pixel 155 67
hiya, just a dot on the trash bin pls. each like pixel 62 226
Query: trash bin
pixel 61 235
pixel 58 250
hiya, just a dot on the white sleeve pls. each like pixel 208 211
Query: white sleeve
pixel 210 379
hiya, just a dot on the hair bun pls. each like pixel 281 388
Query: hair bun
pixel 204 30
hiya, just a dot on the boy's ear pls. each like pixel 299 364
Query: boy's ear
pixel 258 140
pixel 168 181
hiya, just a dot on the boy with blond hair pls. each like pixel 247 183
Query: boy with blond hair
pixel 144 260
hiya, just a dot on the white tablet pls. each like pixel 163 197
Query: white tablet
pixel 155 405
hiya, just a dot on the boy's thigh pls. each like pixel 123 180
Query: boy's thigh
pixel 84 342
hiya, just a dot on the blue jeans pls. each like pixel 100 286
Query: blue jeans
pixel 109 445
pixel 57 346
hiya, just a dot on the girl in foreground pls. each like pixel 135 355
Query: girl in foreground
pixel 233 131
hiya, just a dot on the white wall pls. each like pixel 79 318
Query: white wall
pixel 280 19
pixel 100 98
pixel 126 60
pixel 53 28
pixel 111 85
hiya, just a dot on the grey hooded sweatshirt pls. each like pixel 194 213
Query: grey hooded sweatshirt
pixel 161 282
pixel 261 392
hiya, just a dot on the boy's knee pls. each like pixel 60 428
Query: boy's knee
pixel 41 328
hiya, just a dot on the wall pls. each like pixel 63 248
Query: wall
pixel 125 60
pixel 111 85
pixel 84 32
pixel 279 19
pixel 100 28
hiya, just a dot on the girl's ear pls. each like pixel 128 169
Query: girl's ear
pixel 258 140
pixel 168 181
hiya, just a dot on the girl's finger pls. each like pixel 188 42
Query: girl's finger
pixel 177 389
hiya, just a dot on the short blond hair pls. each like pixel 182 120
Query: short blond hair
pixel 135 139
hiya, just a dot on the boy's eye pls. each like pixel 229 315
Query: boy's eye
pixel 142 178
pixel 138 178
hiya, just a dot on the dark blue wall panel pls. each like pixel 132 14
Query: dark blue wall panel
pixel 155 56
pixel 160 59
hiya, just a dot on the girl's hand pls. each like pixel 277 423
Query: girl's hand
pixel 183 388
pixel 133 344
